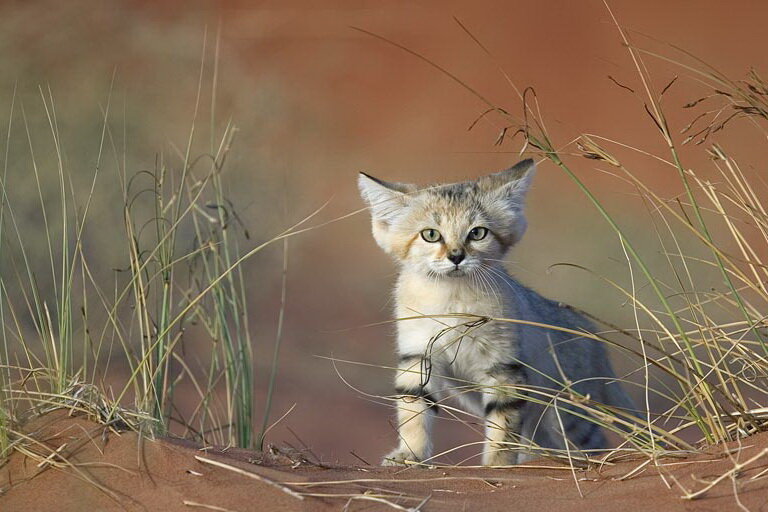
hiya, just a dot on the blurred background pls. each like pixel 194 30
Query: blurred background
pixel 315 101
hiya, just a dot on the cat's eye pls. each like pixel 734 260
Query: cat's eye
pixel 431 235
pixel 477 233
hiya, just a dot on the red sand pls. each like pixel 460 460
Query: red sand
pixel 122 472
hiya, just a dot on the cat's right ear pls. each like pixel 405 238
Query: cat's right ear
pixel 386 201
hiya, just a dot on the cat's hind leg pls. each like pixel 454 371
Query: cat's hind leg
pixel 581 433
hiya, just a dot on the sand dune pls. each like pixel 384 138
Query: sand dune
pixel 77 465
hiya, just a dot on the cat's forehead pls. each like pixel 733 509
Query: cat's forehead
pixel 456 193
pixel 455 202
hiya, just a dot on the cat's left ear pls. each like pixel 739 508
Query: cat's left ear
pixel 512 183
pixel 506 190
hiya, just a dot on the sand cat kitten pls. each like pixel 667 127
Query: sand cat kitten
pixel 450 241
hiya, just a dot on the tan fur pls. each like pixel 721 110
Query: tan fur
pixel 407 247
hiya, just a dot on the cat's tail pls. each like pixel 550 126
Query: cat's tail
pixel 635 422
pixel 618 398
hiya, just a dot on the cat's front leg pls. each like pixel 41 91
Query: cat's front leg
pixel 416 408
pixel 504 404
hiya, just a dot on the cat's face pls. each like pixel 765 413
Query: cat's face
pixel 451 230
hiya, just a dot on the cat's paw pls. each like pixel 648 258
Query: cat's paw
pixel 500 458
pixel 400 457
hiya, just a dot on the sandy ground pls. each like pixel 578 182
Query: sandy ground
pixel 85 467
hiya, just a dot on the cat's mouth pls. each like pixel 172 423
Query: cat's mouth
pixel 456 272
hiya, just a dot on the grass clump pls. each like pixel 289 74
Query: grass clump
pixel 117 351
pixel 702 326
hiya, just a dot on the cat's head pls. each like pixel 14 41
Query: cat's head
pixel 449 230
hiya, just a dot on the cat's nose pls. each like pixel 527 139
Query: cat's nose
pixel 456 256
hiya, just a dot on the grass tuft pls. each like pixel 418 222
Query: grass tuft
pixel 116 351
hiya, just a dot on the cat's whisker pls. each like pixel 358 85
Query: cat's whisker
pixel 510 263
pixel 489 271
pixel 490 285
pixel 505 279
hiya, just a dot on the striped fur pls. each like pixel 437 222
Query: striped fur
pixel 514 375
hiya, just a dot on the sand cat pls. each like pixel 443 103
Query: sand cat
pixel 450 242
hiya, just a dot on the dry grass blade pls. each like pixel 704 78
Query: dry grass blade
pixel 248 474
pixel 391 504
pixel 731 473
pixel 567 445
pixel 321 483
pixel 51 459
pixel 195 504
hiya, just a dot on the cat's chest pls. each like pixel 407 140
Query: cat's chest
pixel 429 298
pixel 444 318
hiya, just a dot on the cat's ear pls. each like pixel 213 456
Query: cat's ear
pixel 513 182
pixel 507 190
pixel 386 200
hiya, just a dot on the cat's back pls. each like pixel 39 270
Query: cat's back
pixel 533 306
pixel 561 342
